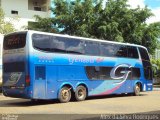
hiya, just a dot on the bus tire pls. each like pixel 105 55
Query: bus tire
pixel 80 93
pixel 137 90
pixel 34 100
pixel 64 94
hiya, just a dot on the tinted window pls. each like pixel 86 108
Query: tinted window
pixel 74 46
pixel 92 73
pixel 40 72
pixel 67 45
pixel 57 44
pixel 121 51
pixel 136 73
pixel 147 68
pixel 103 73
pixel 41 42
pixel 132 52
pixel 71 45
pixel 14 41
pixel 92 48
pixel 144 54
pixel 14 67
pixel 148 73
pixel 107 49
pixel 113 50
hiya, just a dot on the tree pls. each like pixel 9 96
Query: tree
pixel 5 27
pixel 116 21
pixel 43 24
pixel 150 36
pixel 76 18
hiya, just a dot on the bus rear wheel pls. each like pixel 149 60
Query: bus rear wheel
pixel 80 93
pixel 137 90
pixel 64 95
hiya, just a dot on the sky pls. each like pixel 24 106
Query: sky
pixel 154 5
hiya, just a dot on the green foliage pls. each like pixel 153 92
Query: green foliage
pixel 5 27
pixel 157 63
pixel 43 24
pixel 158 44
pixel 115 21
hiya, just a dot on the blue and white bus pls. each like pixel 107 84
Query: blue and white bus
pixel 38 65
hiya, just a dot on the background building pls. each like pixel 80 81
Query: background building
pixel 21 12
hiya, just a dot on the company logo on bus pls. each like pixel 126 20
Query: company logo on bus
pixel 98 60
pixel 80 60
pixel 125 72
pixel 15 76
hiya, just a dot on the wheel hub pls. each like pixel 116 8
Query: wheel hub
pixel 65 94
pixel 80 93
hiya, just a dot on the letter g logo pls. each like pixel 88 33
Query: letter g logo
pixel 126 72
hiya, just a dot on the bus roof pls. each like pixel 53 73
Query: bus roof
pixel 82 38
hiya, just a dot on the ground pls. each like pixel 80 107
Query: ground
pixel 148 102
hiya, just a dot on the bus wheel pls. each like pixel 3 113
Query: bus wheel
pixel 80 93
pixel 65 95
pixel 137 90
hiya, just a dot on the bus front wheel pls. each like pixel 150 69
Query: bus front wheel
pixel 137 90
pixel 80 93
pixel 65 95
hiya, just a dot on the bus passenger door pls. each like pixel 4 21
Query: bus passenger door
pixel 39 90
pixel 147 70
pixel 51 82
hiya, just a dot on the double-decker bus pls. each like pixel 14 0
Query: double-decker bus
pixel 39 65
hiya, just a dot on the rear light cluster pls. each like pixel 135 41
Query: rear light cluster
pixel 27 80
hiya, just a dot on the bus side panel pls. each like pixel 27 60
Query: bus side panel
pixel 149 85
pixel 57 76
pixel 51 82
pixel 71 73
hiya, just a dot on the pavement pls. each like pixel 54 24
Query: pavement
pixel 94 108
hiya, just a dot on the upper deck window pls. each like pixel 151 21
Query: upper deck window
pixel 57 44
pixel 14 41
pixel 114 50
pixel 132 52
pixel 144 54
pixel 62 44
pixel 92 48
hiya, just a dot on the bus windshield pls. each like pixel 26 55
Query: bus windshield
pixel 14 41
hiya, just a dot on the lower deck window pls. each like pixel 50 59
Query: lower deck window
pixel 103 73
pixel 14 67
